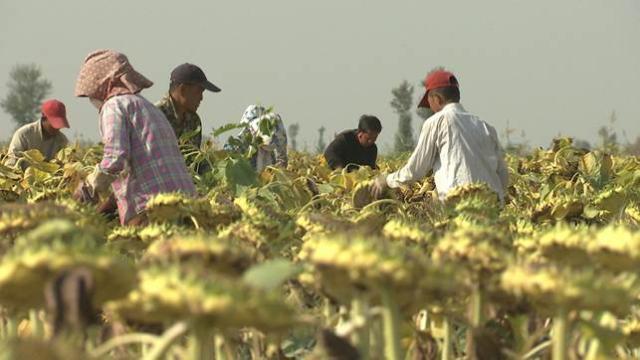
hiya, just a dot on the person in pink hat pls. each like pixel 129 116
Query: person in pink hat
pixel 43 134
pixel 141 156
pixel 457 145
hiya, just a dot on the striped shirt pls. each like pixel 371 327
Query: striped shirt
pixel 141 149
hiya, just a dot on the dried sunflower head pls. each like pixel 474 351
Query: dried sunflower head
pixel 550 287
pixel 173 293
pixel 222 255
pixel 51 249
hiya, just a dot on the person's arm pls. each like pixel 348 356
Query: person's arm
pixel 334 153
pixel 114 128
pixel 423 157
pixel 18 144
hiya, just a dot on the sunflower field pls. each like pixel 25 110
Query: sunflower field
pixel 301 263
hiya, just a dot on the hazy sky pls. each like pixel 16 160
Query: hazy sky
pixel 546 67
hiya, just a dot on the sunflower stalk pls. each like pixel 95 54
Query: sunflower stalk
pixel 201 343
pixel 162 345
pixel 476 314
pixel 560 335
pixel 37 327
pixel 122 340
pixel 219 347
pixel 11 329
pixel 390 317
pixel 447 342
pixel 359 314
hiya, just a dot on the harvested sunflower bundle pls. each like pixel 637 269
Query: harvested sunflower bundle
pixel 51 249
pixel 218 254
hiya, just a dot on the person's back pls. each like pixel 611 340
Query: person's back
pixel 148 149
pixel 468 150
pixel 458 146
pixel 273 144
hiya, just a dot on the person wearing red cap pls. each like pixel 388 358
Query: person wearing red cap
pixel 43 135
pixel 458 146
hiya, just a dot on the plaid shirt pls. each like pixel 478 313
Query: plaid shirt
pixel 141 149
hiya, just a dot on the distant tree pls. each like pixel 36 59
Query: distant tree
pixel 582 144
pixel 293 134
pixel 321 145
pixel 633 148
pixel 424 113
pixel 608 136
pixel 27 89
pixel 401 104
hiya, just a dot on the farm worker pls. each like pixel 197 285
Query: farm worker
pixel 43 134
pixel 187 84
pixel 265 128
pixel 141 156
pixel 458 146
pixel 356 147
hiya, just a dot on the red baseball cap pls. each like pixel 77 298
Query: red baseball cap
pixel 56 112
pixel 436 80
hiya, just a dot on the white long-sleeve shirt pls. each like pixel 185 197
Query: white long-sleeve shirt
pixel 460 148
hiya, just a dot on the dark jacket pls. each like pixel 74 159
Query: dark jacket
pixel 346 151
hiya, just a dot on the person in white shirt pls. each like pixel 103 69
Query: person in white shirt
pixel 458 146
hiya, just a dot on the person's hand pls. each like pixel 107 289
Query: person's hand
pixel 84 193
pixel 379 186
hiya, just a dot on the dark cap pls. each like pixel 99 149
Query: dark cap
pixel 191 74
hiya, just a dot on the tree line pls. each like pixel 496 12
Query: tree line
pixel 27 88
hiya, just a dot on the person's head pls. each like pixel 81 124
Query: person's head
pixel 369 128
pixel 108 73
pixel 53 117
pixel 441 88
pixel 187 85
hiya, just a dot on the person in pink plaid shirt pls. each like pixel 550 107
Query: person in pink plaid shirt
pixel 141 154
